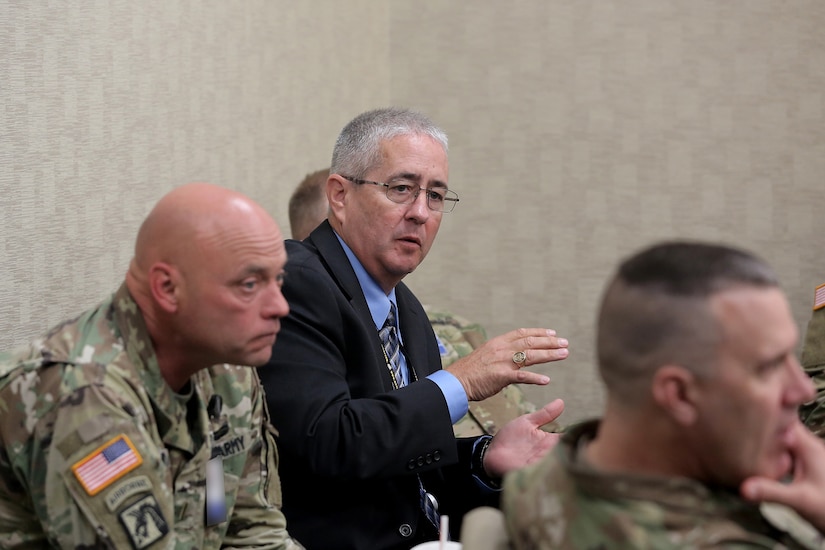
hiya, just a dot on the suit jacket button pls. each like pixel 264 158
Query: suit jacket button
pixel 429 458
pixel 420 461
pixel 411 464
pixel 405 530
pixel 437 456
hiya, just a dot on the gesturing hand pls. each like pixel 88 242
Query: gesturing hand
pixel 500 361
pixel 522 441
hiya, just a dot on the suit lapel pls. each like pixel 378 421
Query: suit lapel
pixel 413 328
pixel 337 264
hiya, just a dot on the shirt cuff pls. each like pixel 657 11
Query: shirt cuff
pixel 477 465
pixel 453 393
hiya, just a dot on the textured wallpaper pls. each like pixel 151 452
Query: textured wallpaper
pixel 105 106
pixel 579 132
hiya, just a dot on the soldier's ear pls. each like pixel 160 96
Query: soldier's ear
pixel 164 286
pixel 673 389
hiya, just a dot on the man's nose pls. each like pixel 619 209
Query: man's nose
pixel 419 208
pixel 276 304
pixel 802 387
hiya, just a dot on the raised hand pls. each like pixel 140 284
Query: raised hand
pixel 500 361
pixel 522 441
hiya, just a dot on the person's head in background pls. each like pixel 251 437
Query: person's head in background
pixel 308 204
pixel 387 190
pixel 696 346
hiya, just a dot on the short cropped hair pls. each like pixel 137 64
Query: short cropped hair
pixel 656 310
pixel 358 147
pixel 308 204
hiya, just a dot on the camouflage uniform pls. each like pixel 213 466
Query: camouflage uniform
pixel 98 452
pixel 813 361
pixel 458 337
pixel 562 503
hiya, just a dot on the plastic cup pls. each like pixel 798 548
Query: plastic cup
pixel 436 545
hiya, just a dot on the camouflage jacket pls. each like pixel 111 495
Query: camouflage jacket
pixel 458 337
pixel 98 452
pixel 813 361
pixel 562 503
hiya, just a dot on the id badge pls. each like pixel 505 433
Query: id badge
pixel 215 495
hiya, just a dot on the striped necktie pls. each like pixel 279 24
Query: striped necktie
pixel 392 348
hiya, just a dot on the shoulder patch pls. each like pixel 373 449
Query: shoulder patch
pixel 106 464
pixel 442 349
pixel 144 522
pixel 819 297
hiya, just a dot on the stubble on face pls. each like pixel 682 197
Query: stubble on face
pixel 751 401
pixel 235 304
pixel 179 272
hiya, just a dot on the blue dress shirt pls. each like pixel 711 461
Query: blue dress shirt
pixel 379 304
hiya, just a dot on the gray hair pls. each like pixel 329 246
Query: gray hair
pixel 358 147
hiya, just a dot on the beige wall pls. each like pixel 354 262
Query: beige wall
pixel 579 132
pixel 104 106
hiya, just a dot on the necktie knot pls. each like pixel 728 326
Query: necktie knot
pixel 390 322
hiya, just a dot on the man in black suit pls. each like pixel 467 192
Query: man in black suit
pixel 363 410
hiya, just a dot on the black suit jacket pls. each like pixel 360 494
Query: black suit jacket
pixel 352 448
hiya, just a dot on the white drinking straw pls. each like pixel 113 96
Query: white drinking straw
pixel 444 532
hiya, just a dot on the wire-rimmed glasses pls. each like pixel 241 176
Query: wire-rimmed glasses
pixel 439 199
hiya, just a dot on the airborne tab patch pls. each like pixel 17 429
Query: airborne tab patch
pixel 106 464
pixel 127 488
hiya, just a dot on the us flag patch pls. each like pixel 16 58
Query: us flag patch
pixel 819 297
pixel 106 464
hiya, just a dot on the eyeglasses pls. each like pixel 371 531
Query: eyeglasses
pixel 405 192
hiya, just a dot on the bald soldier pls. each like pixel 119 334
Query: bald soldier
pixel 129 426
pixel 457 337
